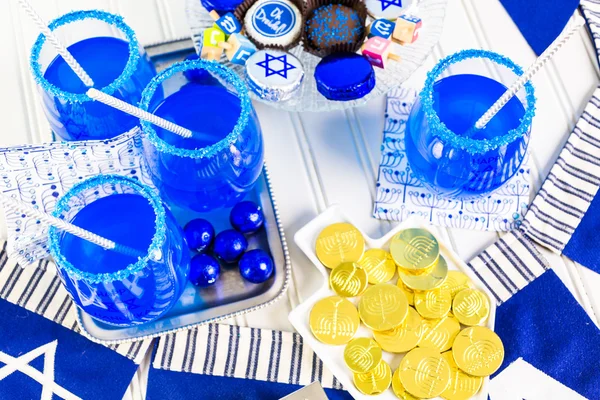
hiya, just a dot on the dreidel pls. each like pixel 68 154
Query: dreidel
pixel 228 23
pixel 238 48
pixel 378 50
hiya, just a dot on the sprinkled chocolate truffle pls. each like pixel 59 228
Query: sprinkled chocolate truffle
pixel 333 24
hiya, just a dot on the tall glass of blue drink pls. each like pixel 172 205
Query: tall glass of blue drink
pixel 109 52
pixel 444 149
pixel 112 287
pixel 223 159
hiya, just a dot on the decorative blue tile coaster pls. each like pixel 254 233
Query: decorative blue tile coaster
pixel 400 194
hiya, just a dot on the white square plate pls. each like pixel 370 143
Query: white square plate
pixel 333 356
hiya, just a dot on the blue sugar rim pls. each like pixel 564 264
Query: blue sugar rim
pixel 112 19
pixel 160 234
pixel 224 73
pixel 475 146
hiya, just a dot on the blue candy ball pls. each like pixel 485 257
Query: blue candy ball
pixel 199 234
pixel 199 75
pixel 256 266
pixel 247 217
pixel 204 270
pixel 230 245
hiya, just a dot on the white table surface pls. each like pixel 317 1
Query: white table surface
pixel 318 159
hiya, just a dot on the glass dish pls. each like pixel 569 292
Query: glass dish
pixel 432 13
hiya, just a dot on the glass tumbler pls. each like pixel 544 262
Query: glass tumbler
pixel 223 159
pixel 115 288
pixel 443 147
pixel 109 52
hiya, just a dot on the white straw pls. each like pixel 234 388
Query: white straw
pixel 21 207
pixel 60 48
pixel 138 112
pixel 531 71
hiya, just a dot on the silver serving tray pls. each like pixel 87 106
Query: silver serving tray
pixel 231 295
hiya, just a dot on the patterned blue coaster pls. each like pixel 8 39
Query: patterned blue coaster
pixel 400 194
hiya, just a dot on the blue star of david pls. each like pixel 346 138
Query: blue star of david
pixel 388 3
pixel 269 70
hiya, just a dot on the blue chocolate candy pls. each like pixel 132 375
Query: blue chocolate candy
pixel 344 76
pixel 199 234
pixel 246 217
pixel 204 270
pixel 230 245
pixel 256 266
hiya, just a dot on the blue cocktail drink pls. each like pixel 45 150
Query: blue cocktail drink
pixel 442 146
pixel 109 52
pixel 221 162
pixel 112 287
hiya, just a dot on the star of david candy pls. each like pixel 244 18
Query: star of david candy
pixel 238 48
pixel 377 51
pixel 228 23
pixel 274 75
pixel 210 44
pixel 407 29
pixel 382 28
pixel 387 9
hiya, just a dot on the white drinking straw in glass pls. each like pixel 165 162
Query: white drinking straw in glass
pixel 85 78
pixel 61 224
pixel 566 34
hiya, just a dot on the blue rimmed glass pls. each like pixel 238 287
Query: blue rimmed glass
pixel 109 52
pixel 224 157
pixel 442 147
pixel 114 288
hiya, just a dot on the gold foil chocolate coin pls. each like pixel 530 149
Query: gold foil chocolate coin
pixel 478 351
pixel 462 386
pixel 362 355
pixel 379 265
pixel 383 307
pixel 427 281
pixel 376 381
pixel 439 334
pixel 424 373
pixel 398 389
pixel 334 320
pixel 414 250
pixel 456 281
pixel 471 307
pixel 348 280
pixel 433 304
pixel 408 292
pixel 339 243
pixel 402 338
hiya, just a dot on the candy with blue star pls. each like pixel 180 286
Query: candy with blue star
pixel 274 75
pixel 229 246
pixel 256 266
pixel 204 270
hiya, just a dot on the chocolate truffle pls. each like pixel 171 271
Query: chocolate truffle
pixel 333 24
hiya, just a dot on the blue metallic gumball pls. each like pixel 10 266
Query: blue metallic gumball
pixel 256 266
pixel 230 245
pixel 204 270
pixel 199 75
pixel 247 217
pixel 199 234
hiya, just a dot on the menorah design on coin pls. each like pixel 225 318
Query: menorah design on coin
pixel 434 303
pixel 362 355
pixel 375 381
pixel 425 373
pixel 414 249
pixel 478 351
pixel 404 337
pixel 334 320
pixel 339 243
pixel 348 280
pixel 379 265
pixel 439 334
pixel 383 307
pixel 471 307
